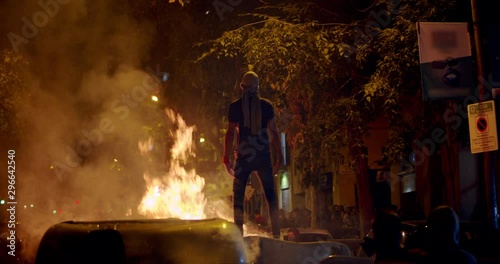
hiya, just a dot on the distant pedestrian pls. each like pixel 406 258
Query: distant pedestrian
pixel 258 218
pixel 284 222
pixel 347 218
pixel 295 217
pixel 355 217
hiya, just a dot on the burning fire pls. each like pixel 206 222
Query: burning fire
pixel 179 193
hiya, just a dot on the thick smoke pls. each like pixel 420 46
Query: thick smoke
pixel 86 108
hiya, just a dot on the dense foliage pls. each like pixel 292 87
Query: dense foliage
pixel 330 75
pixel 330 70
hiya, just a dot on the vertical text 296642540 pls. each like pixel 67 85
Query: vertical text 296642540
pixel 11 203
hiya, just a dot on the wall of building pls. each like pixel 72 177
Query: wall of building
pixel 469 183
pixel 344 185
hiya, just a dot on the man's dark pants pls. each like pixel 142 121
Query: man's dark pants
pixel 243 168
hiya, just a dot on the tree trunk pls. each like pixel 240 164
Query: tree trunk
pixel 365 200
pixel 314 208
pixel 451 176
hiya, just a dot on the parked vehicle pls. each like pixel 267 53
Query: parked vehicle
pixel 279 251
pixel 474 238
pixel 414 233
pixel 336 259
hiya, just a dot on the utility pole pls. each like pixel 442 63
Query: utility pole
pixel 489 172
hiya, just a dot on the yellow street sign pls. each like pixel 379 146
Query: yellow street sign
pixel 482 127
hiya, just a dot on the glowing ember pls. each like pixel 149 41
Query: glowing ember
pixel 179 193
pixel 146 146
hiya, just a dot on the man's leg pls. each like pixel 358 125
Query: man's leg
pixel 267 181
pixel 239 183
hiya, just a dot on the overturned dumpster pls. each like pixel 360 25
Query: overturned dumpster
pixel 142 241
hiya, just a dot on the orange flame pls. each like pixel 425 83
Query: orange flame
pixel 179 193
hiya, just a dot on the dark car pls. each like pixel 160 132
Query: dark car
pixel 474 237
pixel 307 234
pixel 414 234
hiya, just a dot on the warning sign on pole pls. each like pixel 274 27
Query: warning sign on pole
pixel 482 127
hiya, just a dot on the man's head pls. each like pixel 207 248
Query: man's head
pixel 443 226
pixel 250 82
pixel 293 235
